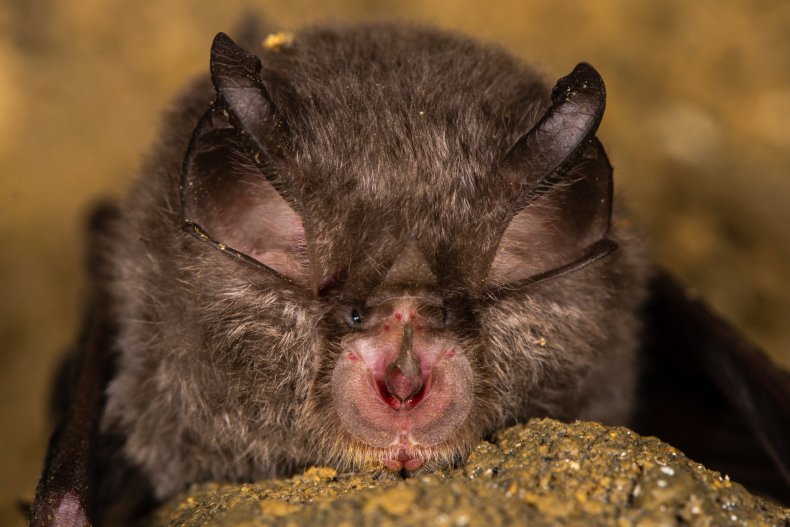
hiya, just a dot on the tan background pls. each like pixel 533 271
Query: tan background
pixel 697 126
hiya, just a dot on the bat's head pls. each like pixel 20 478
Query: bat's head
pixel 432 236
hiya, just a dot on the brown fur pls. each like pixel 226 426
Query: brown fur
pixel 224 370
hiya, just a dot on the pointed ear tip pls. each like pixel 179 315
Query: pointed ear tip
pixel 222 42
pixel 584 74
pixel 585 66
pixel 589 72
pixel 221 38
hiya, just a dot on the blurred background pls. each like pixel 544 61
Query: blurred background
pixel 697 127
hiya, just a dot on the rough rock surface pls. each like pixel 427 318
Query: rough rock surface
pixel 543 473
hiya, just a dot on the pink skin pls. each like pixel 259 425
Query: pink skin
pixel 376 417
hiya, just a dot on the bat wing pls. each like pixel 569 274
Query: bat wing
pixel 65 491
pixel 708 391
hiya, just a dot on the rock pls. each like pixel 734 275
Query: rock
pixel 543 473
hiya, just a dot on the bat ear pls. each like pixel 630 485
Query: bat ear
pixel 230 194
pixel 563 181
pixel 236 76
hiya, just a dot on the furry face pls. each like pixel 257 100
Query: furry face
pixel 377 247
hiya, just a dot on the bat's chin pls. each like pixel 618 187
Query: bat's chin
pixel 406 459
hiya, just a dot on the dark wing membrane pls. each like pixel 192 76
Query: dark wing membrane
pixel 66 490
pixel 711 393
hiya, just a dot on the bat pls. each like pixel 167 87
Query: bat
pixel 371 246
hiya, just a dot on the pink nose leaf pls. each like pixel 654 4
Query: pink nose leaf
pixel 403 377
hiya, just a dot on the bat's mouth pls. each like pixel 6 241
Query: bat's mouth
pixel 383 391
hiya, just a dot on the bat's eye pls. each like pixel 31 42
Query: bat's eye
pixel 448 316
pixel 355 317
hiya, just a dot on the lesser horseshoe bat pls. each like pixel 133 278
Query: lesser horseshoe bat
pixel 370 245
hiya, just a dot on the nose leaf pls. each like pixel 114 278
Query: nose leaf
pixel 403 376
